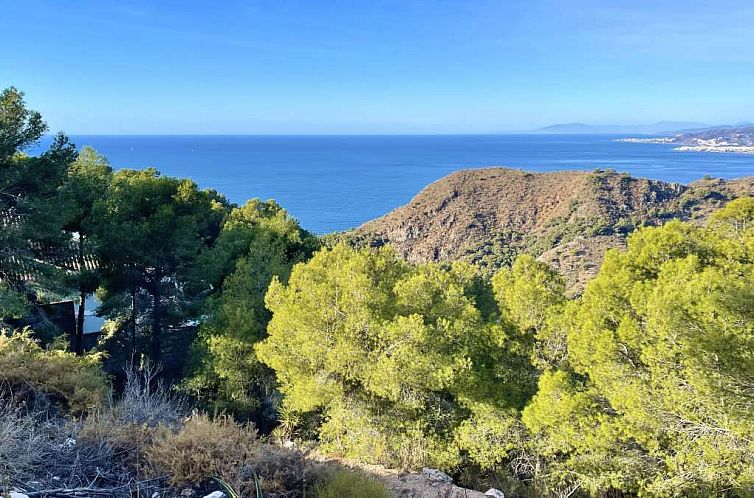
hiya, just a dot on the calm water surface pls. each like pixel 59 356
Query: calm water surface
pixel 338 182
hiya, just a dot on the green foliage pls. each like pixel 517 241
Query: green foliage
pixel 656 397
pixel 646 381
pixel 531 296
pixel 88 179
pixel 29 372
pixel 395 356
pixel 349 484
pixel 20 127
pixel 29 211
pixel 735 219
pixel 563 229
pixel 87 182
pixel 497 250
pixel 13 304
pixel 151 231
pixel 258 241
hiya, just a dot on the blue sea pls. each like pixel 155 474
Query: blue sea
pixel 338 182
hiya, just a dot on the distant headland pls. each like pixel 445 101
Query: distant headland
pixel 661 127
pixel 722 139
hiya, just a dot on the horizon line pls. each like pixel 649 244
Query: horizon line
pixel 397 134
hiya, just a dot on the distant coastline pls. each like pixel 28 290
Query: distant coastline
pixel 659 140
pixel 727 140
pixel 724 149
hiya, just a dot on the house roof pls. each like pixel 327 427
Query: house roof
pixel 65 258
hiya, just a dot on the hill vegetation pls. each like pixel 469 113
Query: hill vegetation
pixel 449 346
pixel 566 218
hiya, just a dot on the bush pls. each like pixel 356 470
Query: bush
pixel 392 357
pixel 347 484
pixel 47 452
pixel 121 445
pixel 654 396
pixel 205 448
pixel 118 437
pixel 145 401
pixel 35 375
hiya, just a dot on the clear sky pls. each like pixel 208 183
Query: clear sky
pixel 376 66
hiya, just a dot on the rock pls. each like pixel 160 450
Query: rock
pixel 188 492
pixel 494 493
pixel 16 494
pixel 216 494
pixel 437 476
pixel 419 486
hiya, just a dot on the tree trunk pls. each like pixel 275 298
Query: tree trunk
pixel 155 346
pixel 79 346
pixel 133 322
pixel 80 324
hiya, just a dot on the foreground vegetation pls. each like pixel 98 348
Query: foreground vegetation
pixel 641 386
pixel 145 443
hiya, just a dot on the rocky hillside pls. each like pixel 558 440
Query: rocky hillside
pixel 568 218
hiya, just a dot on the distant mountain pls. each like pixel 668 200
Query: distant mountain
pixel 568 128
pixel 567 218
pixel 661 127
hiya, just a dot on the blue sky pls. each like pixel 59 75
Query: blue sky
pixel 377 66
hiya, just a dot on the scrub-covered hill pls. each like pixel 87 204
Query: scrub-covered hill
pixel 567 218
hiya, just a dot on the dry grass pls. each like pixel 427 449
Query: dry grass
pixel 24 444
pixel 204 448
pixel 349 484
pixel 145 412
pixel 141 445
pixel 145 401
pixel 40 449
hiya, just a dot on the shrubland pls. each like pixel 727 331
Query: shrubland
pixel 641 385
pixel 37 377
pixel 395 358
pixel 144 441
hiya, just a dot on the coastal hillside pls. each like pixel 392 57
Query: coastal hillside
pixel 728 139
pixel 568 218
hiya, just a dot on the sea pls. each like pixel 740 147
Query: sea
pixel 333 183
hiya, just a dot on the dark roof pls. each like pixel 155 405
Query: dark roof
pixel 66 258
pixel 63 258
